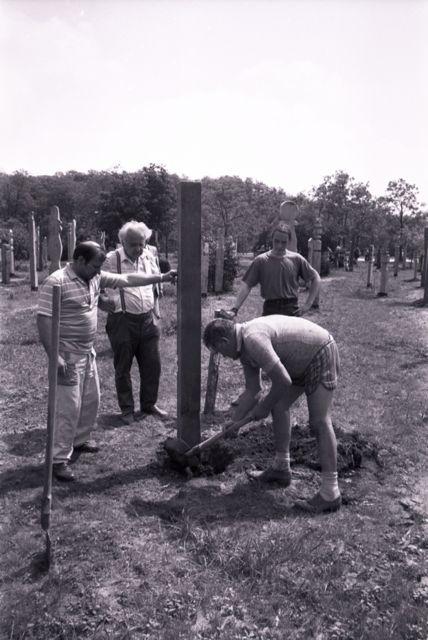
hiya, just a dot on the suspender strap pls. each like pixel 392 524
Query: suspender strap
pixel 121 292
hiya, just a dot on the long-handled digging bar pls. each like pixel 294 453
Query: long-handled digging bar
pixel 184 456
pixel 53 378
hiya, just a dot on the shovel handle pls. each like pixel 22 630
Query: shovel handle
pixel 218 436
pixel 53 379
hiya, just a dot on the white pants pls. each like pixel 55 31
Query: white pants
pixel 78 400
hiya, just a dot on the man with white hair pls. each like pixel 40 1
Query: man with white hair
pixel 133 323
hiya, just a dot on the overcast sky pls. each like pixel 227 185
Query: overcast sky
pixel 285 92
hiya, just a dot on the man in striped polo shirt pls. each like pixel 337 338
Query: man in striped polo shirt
pixel 78 393
pixel 299 357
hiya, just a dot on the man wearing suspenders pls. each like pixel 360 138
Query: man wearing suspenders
pixel 133 323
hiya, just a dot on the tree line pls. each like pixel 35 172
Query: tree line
pixel 242 208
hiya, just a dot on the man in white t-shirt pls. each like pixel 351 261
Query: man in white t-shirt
pixel 299 357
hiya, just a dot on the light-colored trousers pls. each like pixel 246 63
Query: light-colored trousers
pixel 78 400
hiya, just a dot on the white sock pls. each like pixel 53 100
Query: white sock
pixel 281 461
pixel 329 487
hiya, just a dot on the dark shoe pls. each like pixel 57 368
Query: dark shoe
pixel 127 418
pixel 87 447
pixel 61 471
pixel 154 410
pixel 317 504
pixel 278 476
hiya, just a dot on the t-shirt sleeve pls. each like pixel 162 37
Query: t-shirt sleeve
pixel 260 349
pixel 305 270
pixel 252 274
pixel 44 306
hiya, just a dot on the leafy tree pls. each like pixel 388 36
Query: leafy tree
pixel 403 198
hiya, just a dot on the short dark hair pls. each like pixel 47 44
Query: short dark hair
pixel 88 250
pixel 283 227
pixel 216 330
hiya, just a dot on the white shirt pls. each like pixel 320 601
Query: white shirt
pixel 137 299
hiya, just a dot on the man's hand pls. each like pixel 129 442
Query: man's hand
pixel 106 304
pixel 62 366
pixel 170 276
pixel 226 314
pixel 260 411
pixel 303 310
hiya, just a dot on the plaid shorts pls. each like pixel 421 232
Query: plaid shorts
pixel 324 369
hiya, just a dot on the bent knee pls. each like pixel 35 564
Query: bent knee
pixel 318 426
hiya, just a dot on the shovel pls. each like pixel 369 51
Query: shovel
pixel 185 456
pixel 53 376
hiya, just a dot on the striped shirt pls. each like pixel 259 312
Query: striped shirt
pixel 137 299
pixel 79 306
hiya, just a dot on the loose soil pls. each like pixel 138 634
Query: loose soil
pixel 143 551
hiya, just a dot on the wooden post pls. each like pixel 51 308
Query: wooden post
pixel 384 260
pixel 189 313
pixel 415 264
pixel 71 239
pixel 39 250
pixel 205 264
pixel 404 264
pixel 351 256
pixel 33 260
pixel 316 256
pixel 396 259
pixel 288 212
pixel 219 262
pixel 12 253
pixel 310 250
pixel 5 262
pixel 102 240
pixel 425 266
pixel 370 266
pixel 212 381
pixel 44 252
pixel 54 240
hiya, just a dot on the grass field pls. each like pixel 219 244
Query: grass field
pixel 142 552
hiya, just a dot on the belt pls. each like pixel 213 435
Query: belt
pixel 281 300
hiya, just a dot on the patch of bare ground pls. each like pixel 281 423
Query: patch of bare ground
pixel 143 552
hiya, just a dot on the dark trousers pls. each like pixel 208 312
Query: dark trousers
pixel 281 306
pixel 136 336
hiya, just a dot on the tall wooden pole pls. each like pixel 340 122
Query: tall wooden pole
pixel 189 313
pixel 288 212
pixel 370 266
pixel 219 262
pixel 396 259
pixel 205 265
pixel 316 255
pixel 384 260
pixel 426 266
pixel 5 263
pixel 54 240
pixel 33 260
pixel 71 239
pixel 12 253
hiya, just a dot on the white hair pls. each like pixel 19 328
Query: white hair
pixel 137 227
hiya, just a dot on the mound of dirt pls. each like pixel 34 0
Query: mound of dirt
pixel 352 448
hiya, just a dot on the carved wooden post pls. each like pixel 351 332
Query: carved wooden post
pixel 288 212
pixel 5 262
pixel 12 253
pixel 384 260
pixel 205 264
pixel 404 265
pixel 189 313
pixel 102 240
pixel 38 249
pixel 425 266
pixel 370 266
pixel 396 259
pixel 212 381
pixel 71 239
pixel 33 260
pixel 317 254
pixel 54 240
pixel 44 252
pixel 310 250
pixel 219 262
pixel 415 264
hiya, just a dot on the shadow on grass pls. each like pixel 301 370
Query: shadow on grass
pixel 26 444
pixel 209 504
pixel 29 476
